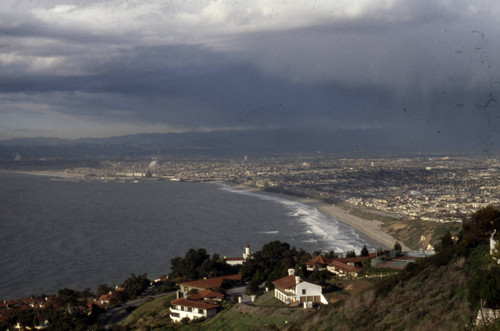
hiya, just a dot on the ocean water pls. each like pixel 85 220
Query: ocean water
pixel 58 233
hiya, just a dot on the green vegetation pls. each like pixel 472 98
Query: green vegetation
pixel 152 314
pixel 66 311
pixel 197 264
pixel 243 317
pixel 272 262
pixel 268 300
pixel 131 288
pixel 364 251
pixel 444 291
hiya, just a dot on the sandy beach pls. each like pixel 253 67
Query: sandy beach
pixel 367 227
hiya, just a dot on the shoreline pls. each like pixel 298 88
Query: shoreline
pixel 369 228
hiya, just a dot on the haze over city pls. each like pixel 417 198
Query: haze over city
pixel 412 69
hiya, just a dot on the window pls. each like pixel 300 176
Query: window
pixel 189 309
pixel 200 311
pixel 174 314
pixel 303 291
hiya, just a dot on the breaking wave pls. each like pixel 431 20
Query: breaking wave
pixel 329 233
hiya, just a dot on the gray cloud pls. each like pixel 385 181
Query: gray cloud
pixel 105 68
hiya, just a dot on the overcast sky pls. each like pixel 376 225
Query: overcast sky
pixel 101 68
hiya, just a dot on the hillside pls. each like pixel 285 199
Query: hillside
pixel 441 292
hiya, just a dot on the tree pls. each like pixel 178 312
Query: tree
pixel 397 248
pixel 330 255
pixel 481 224
pixel 187 267
pixel 350 254
pixel 364 251
pixel 490 287
pixel 197 264
pixel 103 289
pixel 445 242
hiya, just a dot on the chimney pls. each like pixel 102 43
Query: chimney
pixel 297 280
pixel 291 272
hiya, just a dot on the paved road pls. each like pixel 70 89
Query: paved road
pixel 116 315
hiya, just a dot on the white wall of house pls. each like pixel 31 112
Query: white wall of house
pixel 178 312
pixel 307 289
pixel 303 291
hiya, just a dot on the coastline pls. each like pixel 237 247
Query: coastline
pixel 367 227
pixel 45 173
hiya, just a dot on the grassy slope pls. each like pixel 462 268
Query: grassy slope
pixel 269 313
pixel 151 314
pixel 434 299
pixel 434 294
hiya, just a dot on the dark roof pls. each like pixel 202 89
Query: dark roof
pixel 211 282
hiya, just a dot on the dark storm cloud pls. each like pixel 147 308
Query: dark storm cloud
pixel 426 66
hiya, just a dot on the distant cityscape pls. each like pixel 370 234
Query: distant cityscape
pixel 435 189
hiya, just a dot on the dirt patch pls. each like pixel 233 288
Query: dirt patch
pixel 357 285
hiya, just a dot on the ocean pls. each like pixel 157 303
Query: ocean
pixel 60 233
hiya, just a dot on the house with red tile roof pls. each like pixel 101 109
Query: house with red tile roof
pixel 192 309
pixel 316 263
pixel 347 266
pixel 204 304
pixel 104 299
pixel 342 269
pixel 207 295
pixel 292 289
pixel 209 283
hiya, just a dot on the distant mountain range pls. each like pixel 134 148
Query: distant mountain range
pixel 239 143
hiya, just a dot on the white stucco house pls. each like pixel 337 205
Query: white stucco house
pixel 239 260
pixel 292 289
pixel 182 307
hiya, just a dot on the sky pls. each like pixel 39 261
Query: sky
pixel 85 68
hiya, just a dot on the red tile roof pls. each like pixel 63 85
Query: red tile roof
pixel 341 265
pixel 211 282
pixel 357 259
pixel 206 294
pixel 204 283
pixel 236 277
pixel 317 261
pixel 287 282
pixel 193 304
pixel 211 294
